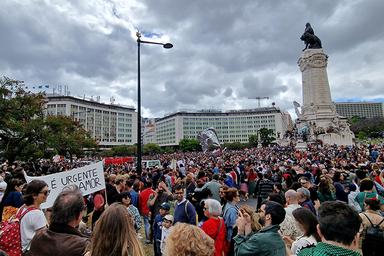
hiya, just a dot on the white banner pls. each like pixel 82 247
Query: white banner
pixel 88 178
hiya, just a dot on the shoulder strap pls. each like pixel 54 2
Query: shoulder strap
pixel 382 220
pixel 218 231
pixel 20 214
pixel 185 208
pixel 370 220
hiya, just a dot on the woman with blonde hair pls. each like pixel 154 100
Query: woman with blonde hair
pixel 114 234
pixel 187 240
pixel 254 218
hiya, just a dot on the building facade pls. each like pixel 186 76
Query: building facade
pixel 109 124
pixel 231 126
pixel 360 109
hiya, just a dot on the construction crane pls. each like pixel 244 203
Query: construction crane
pixel 259 99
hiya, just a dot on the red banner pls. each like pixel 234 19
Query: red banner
pixel 119 160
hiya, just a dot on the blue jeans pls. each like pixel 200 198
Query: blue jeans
pixel 147 228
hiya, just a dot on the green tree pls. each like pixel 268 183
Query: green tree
pixel 266 136
pixel 355 119
pixel 66 136
pixel 21 121
pixel 124 150
pixel 368 127
pixel 253 140
pixel 235 145
pixel 151 148
pixel 188 145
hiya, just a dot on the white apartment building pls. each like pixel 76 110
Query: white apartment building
pixel 231 126
pixel 109 124
pixel 361 109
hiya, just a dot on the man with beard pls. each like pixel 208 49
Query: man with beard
pixel 268 240
pixel 159 196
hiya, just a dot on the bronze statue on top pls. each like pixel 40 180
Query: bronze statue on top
pixel 311 41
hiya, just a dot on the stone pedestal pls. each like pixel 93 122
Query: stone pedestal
pixel 318 112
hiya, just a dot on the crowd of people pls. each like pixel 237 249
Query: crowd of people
pixel 327 200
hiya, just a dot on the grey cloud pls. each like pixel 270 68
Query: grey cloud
pixel 224 51
pixel 265 86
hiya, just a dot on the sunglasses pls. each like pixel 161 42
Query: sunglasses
pixel 46 192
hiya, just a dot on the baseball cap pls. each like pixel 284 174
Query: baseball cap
pixel 168 217
pixel 165 206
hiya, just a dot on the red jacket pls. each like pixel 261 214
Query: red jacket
pixel 143 200
pixel 218 233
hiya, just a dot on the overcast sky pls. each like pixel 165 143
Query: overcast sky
pixel 225 51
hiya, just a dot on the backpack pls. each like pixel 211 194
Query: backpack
pixel 374 236
pixel 10 238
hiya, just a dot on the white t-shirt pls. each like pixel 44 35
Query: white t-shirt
pixel 29 224
pixel 302 242
pixel 164 234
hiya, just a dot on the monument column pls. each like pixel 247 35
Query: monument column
pixel 318 119
pixel 317 101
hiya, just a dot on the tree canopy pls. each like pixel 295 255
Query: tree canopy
pixel 21 120
pixel 26 134
pixel 188 145
pixel 266 136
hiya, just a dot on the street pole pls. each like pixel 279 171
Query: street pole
pixel 139 140
pixel 138 165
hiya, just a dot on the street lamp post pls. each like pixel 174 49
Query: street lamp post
pixel 139 140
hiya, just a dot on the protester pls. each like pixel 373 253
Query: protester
pixel 222 190
pixel 158 223
pixel 12 199
pixel 265 242
pixel 99 206
pixel 166 228
pixel 187 240
pixel 34 194
pixel 144 210
pixel 289 227
pixel 339 230
pixel 213 186
pixel 184 210
pixel 291 197
pixel 341 191
pixel 161 195
pixel 3 187
pixel 326 191
pixel 367 191
pixel 264 186
pixel 308 224
pixel 114 234
pixel 125 199
pixel 372 217
pixel 130 185
pixel 305 200
pixel 214 226
pixel 62 236
pixel 305 182
pixel 230 211
pixel 254 218
pixel 110 188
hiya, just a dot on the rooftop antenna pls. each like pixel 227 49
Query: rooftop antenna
pixel 259 98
